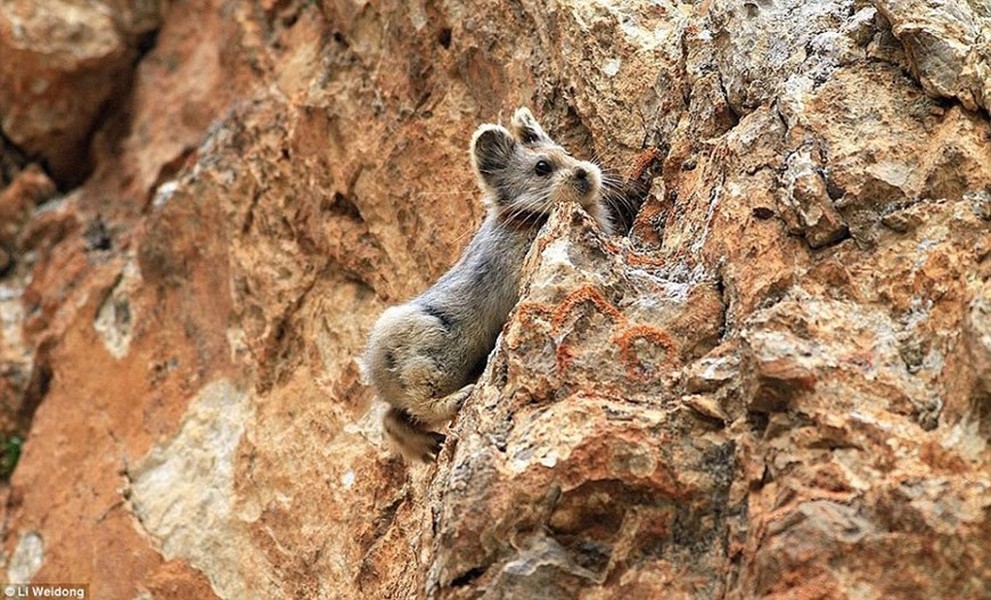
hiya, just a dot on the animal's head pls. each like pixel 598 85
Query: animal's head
pixel 524 172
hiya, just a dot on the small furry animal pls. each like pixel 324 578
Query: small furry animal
pixel 424 356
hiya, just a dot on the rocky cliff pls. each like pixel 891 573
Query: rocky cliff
pixel 779 385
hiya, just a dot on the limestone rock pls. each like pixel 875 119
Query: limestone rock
pixel 778 385
pixel 948 46
pixel 64 61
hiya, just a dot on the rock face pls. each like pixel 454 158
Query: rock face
pixel 779 385
pixel 65 63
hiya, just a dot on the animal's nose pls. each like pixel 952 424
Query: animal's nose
pixel 580 173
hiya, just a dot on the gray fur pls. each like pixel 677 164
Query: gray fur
pixel 423 356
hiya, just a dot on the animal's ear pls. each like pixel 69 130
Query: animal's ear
pixel 527 130
pixel 492 148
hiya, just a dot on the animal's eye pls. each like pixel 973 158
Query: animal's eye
pixel 543 168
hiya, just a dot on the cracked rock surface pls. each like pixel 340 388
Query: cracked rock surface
pixel 779 385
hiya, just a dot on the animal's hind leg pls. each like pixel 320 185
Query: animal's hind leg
pixel 408 429
pixel 443 409
pixel 409 437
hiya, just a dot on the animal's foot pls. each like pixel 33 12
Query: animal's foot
pixel 455 400
pixel 410 438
